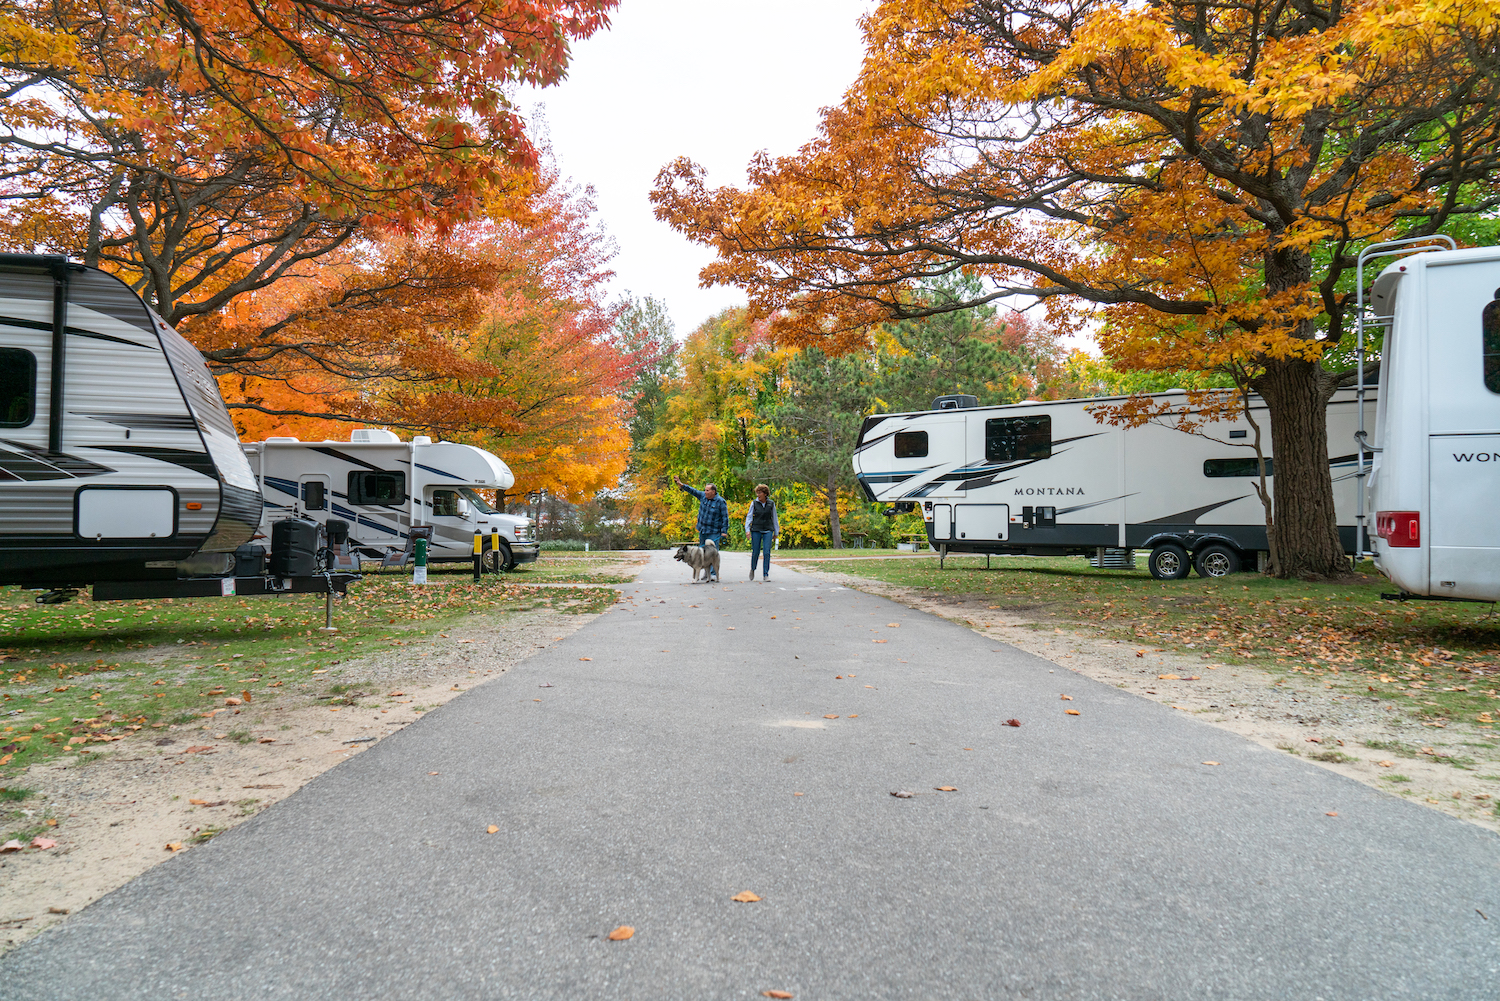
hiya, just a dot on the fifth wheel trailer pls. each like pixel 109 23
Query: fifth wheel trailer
pixel 1434 485
pixel 382 487
pixel 119 465
pixel 1046 478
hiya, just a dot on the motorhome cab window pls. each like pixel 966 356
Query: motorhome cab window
pixel 911 444
pixel 313 496
pixel 1246 466
pixel 1490 321
pixel 480 504
pixel 445 504
pixel 1010 439
pixel 378 487
pixel 17 387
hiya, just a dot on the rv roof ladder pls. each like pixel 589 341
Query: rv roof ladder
pixel 1390 248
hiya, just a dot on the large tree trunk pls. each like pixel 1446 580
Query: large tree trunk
pixel 1305 530
pixel 835 533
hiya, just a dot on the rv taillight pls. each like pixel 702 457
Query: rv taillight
pixel 1400 529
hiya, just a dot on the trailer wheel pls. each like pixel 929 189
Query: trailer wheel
pixel 1216 561
pixel 1169 561
pixel 503 554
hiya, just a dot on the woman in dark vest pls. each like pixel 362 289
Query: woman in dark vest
pixel 763 525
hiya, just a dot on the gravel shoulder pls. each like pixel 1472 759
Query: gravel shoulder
pixel 164 790
pixel 1454 768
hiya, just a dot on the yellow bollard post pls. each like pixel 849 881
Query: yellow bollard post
pixel 495 547
pixel 478 554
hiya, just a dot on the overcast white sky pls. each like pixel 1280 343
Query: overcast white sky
pixel 713 80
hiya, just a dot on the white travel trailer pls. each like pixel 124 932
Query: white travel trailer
pixel 118 461
pixel 1434 486
pixel 382 487
pixel 1046 478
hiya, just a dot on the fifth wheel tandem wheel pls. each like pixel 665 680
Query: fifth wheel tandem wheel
pixel 1214 561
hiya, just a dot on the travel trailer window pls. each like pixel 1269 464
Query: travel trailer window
pixel 313 496
pixel 911 444
pixel 1490 322
pixel 379 488
pixel 17 387
pixel 1244 466
pixel 1009 439
pixel 445 503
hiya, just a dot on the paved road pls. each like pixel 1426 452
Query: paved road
pixel 1088 856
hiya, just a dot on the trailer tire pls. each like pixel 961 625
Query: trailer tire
pixel 502 556
pixel 1169 561
pixel 1216 561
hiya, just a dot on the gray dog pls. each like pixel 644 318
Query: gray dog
pixel 703 558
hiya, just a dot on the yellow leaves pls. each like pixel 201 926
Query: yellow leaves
pixel 946 788
pixel 745 897
pixel 1072 712
pixel 621 933
pixel 492 829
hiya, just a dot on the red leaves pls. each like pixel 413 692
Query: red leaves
pixel 1012 722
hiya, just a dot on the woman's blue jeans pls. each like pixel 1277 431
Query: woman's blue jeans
pixel 758 542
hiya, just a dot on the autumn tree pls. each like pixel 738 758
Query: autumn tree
pixel 646 331
pixel 1199 176
pixel 816 419
pixel 205 149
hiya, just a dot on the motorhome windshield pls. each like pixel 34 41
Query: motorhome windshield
pixel 479 502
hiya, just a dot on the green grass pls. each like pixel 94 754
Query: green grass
pixel 77 676
pixel 1337 757
pixel 1439 661
pixel 1395 778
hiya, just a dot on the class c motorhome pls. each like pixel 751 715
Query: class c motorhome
pixel 1434 483
pixel 383 487
pixel 118 460
pixel 1046 478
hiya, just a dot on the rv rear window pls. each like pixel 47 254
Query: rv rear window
pixel 1246 466
pixel 911 444
pixel 17 387
pixel 1011 439
pixel 379 488
pixel 313 496
pixel 1490 322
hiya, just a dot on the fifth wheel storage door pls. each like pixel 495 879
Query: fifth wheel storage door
pixel 981 522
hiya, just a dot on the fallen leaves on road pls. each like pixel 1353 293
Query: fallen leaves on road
pixel 880 641
pixel 1072 712
pixel 903 794
pixel 1012 722
pixel 829 716
pixel 1331 813
pixel 1168 677
pixel 777 994
pixel 1067 698
pixel 946 788
pixel 1210 762
pixel 492 829
pixel 893 625
pixel 745 898
pixel 585 658
pixel 621 933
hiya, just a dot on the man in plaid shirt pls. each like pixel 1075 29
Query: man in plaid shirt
pixel 713 513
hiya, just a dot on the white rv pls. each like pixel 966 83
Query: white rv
pixel 1046 478
pixel 382 487
pixel 1434 486
pixel 119 465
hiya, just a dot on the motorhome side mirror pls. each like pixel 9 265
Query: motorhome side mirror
pixel 461 506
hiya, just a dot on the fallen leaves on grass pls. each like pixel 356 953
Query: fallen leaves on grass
pixel 621 933
pixel 745 897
